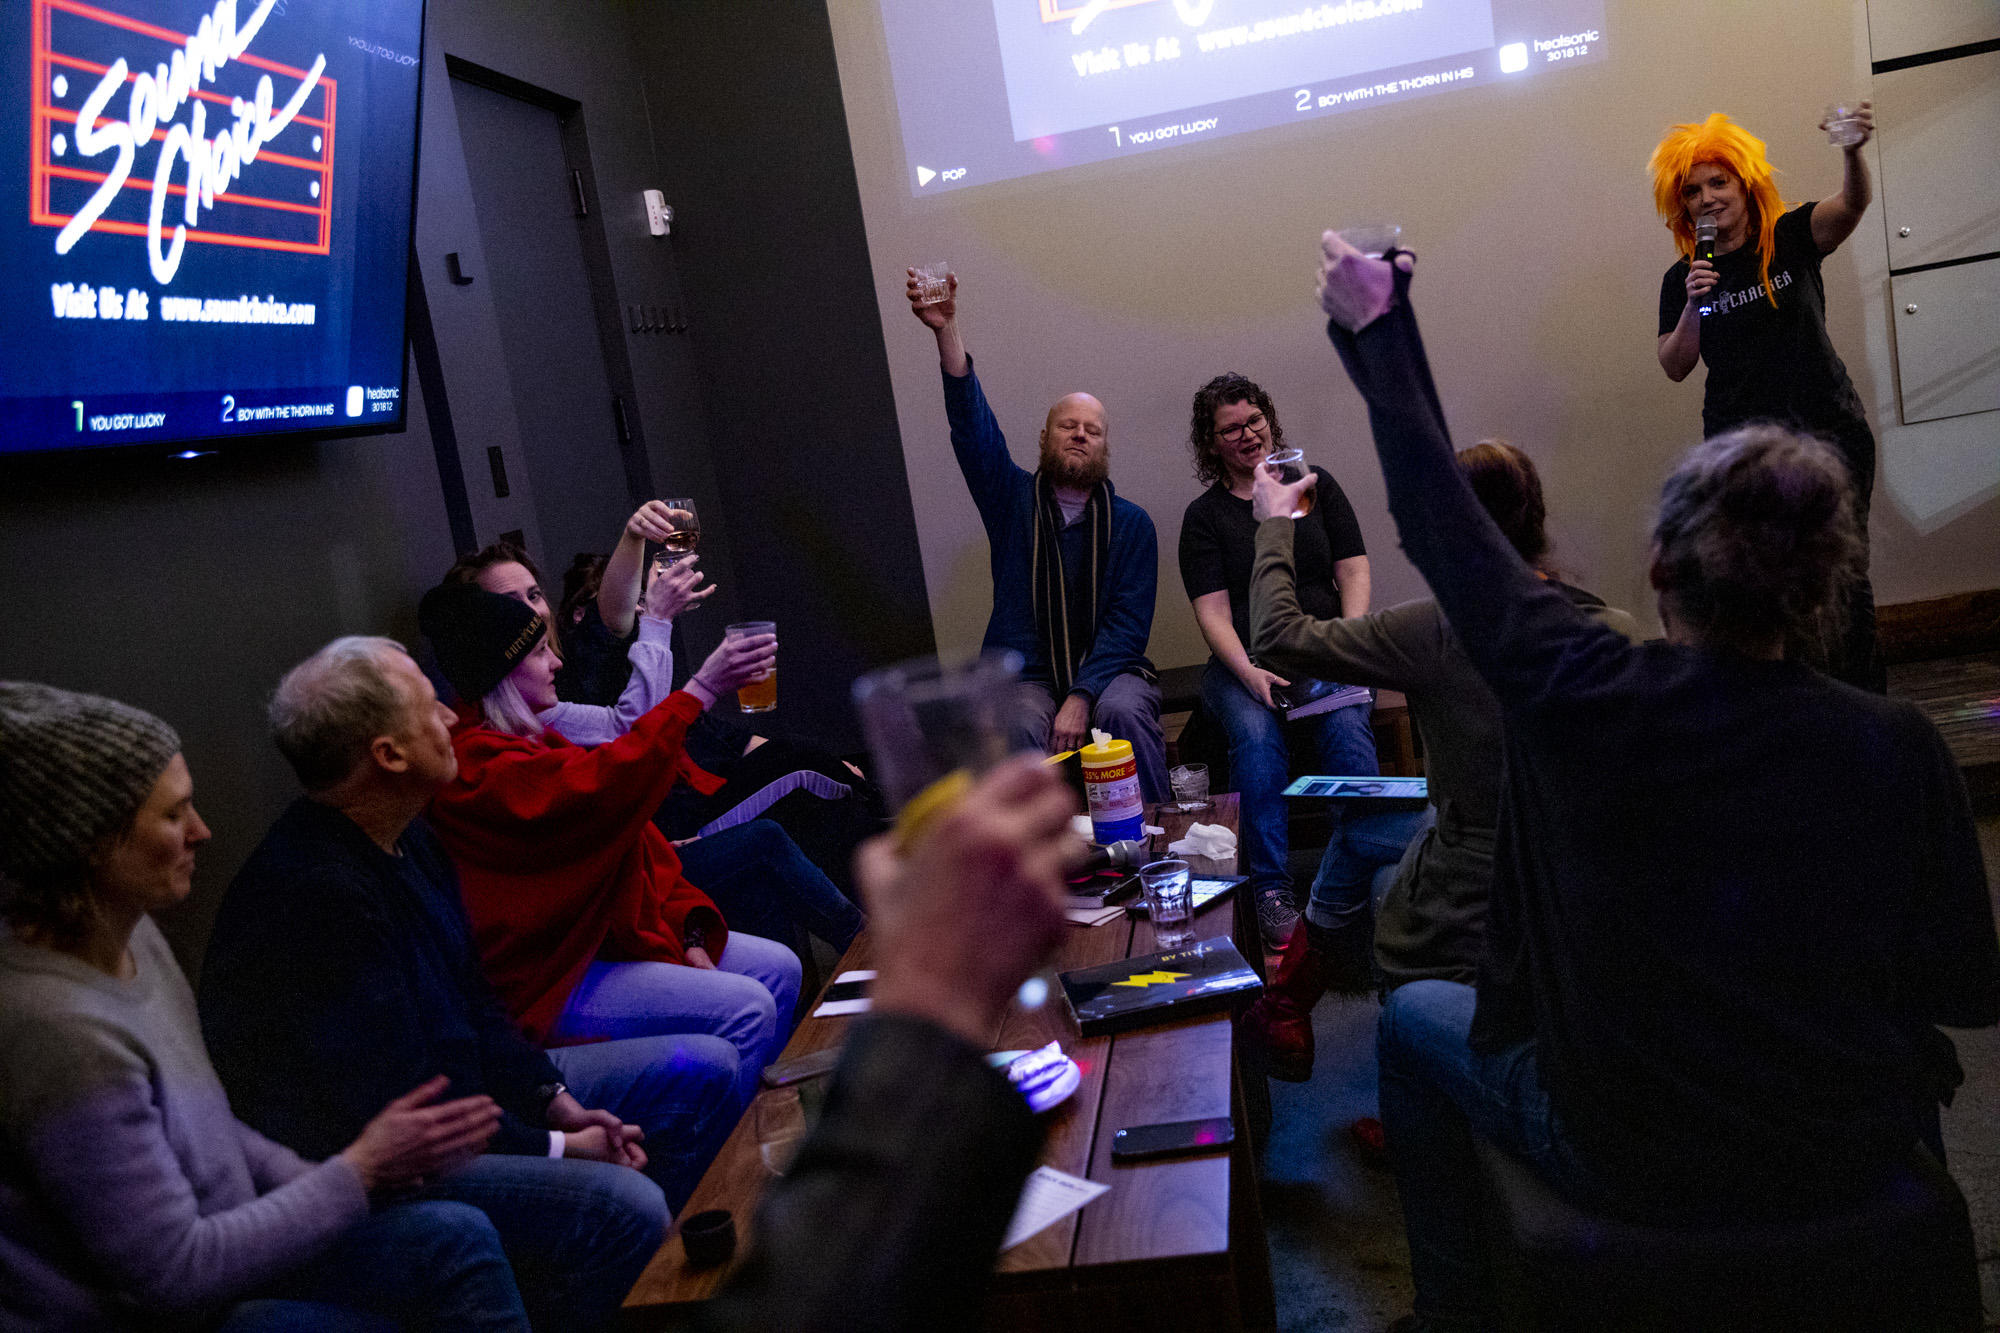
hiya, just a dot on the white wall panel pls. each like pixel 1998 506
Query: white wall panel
pixel 1947 324
pixel 1939 145
pixel 1898 28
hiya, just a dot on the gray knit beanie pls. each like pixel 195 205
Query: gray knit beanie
pixel 73 768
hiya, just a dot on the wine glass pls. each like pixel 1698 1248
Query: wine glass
pixel 679 543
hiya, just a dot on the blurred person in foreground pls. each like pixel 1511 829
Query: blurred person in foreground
pixel 891 1215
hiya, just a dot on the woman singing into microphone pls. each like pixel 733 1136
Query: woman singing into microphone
pixel 1764 337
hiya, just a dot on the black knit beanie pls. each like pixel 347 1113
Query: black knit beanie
pixel 479 636
pixel 73 768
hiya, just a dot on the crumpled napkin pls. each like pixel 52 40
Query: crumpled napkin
pixel 1211 840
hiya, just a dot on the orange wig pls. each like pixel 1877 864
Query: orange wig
pixel 1721 140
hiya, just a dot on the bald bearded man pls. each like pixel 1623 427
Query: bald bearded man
pixel 1074 566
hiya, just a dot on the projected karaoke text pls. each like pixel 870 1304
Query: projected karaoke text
pixel 1054 83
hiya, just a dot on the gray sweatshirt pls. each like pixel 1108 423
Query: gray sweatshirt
pixel 129 1195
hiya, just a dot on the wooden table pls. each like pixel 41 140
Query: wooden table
pixel 1176 1243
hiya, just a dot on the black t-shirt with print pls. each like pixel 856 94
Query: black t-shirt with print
pixel 1219 547
pixel 1773 361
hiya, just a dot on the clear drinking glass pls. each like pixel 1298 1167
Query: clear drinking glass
pixel 1373 239
pixel 1190 782
pixel 759 695
pixel 1169 888
pixel 1289 466
pixel 679 543
pixel 781 1126
pixel 1843 127
pixel 925 721
pixel 931 730
pixel 934 283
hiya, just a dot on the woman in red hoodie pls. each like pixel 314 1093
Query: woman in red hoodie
pixel 584 922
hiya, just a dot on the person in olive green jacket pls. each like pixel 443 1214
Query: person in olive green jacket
pixel 1431 924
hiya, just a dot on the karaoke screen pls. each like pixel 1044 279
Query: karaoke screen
pixel 206 218
pixel 991 89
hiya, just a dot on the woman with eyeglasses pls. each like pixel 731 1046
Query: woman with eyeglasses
pixel 1234 427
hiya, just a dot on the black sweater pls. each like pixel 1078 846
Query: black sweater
pixel 1731 897
pixel 339 977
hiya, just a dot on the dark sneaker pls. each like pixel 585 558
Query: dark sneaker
pixel 1276 919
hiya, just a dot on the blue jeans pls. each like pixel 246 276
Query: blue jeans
pixel 578 1233
pixel 1361 845
pixel 1436 1091
pixel 433 1264
pixel 747 1000
pixel 1260 767
pixel 1129 709
pixel 763 884
pixel 680 1089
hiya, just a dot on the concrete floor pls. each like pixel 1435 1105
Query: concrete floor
pixel 1338 1258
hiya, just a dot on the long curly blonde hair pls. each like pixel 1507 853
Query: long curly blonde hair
pixel 1717 139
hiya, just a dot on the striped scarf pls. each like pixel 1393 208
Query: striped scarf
pixel 1068 625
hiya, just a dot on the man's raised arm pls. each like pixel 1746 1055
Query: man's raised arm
pixel 976 438
pixel 941 319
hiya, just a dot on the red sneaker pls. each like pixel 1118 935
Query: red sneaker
pixel 1370 1142
pixel 1284 1033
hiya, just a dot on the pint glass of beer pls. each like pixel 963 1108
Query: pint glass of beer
pixel 1289 466
pixel 759 695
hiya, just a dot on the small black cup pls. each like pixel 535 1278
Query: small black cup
pixel 710 1237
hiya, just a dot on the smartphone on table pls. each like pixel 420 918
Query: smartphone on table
pixel 1173 1138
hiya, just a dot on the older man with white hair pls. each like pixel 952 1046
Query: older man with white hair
pixel 342 963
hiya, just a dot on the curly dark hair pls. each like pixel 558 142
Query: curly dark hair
pixel 1757 537
pixel 1220 392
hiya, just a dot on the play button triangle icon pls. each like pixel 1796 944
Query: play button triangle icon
pixel 925 176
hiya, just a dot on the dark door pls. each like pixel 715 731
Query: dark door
pixel 529 229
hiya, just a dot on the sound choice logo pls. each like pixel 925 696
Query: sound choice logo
pixel 117 97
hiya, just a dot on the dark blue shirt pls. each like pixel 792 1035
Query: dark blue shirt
pixel 1004 492
pixel 339 977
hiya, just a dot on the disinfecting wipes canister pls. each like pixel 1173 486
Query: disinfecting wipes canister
pixel 1111 785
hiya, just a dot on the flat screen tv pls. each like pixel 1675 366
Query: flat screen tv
pixel 205 212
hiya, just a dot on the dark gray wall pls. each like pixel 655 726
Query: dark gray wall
pixel 745 99
pixel 188 588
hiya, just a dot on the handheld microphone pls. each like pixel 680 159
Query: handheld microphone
pixel 1704 249
pixel 1130 854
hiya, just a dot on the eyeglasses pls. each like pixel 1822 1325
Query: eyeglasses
pixel 1236 432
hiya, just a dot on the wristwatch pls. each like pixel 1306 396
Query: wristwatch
pixel 548 1092
pixel 694 937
